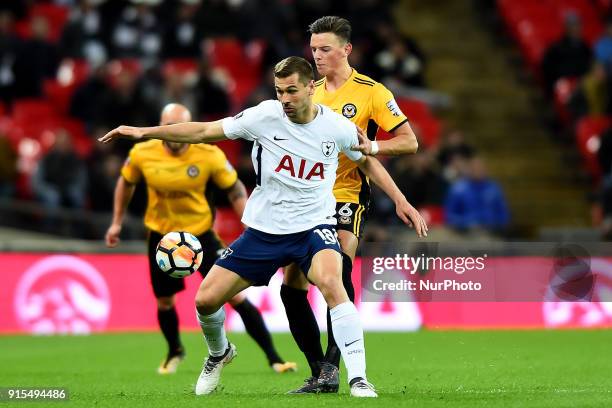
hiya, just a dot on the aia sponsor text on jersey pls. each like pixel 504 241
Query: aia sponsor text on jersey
pixel 304 171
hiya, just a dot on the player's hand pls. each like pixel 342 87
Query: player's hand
pixel 365 144
pixel 112 235
pixel 411 217
pixel 126 132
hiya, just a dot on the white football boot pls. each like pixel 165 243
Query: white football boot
pixel 363 389
pixel 211 372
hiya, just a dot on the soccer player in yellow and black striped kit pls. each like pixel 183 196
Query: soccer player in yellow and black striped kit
pixel 176 175
pixel 369 105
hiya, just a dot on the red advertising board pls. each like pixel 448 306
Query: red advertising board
pixel 83 293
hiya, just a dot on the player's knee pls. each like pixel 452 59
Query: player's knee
pixel 237 300
pixel 206 308
pixel 331 287
pixel 165 302
pixel 335 296
pixel 206 304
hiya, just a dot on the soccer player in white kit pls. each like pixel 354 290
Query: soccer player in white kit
pixel 290 214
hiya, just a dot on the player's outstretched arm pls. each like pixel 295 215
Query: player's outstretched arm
pixel 404 141
pixel 237 196
pixel 187 132
pixel 123 195
pixel 406 212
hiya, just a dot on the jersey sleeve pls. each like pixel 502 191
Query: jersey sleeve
pixel 349 140
pixel 224 175
pixel 243 124
pixel 385 110
pixel 131 168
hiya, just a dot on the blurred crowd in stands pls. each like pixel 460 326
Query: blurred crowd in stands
pixel 567 45
pixel 70 70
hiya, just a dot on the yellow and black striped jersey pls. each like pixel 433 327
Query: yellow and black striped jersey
pixel 176 184
pixel 370 105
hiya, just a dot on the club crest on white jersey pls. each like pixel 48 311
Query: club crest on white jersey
pixel 328 148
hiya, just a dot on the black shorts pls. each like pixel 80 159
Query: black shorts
pixel 164 285
pixel 351 217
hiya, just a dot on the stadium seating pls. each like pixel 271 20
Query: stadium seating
pixel 535 25
pixel 72 71
pixel 433 215
pixel 187 67
pixel 588 133
pixel 227 224
pixel 232 150
pixel 534 37
pixel 55 15
pixel 28 110
pixel 34 139
pixel 603 6
pixel 70 74
pixel 119 66
pixel 83 144
pixel 241 61
pixel 591 24
pixel 563 90
pixel 242 64
pixel 31 130
pixel 422 120
pixel 30 145
pixel 58 94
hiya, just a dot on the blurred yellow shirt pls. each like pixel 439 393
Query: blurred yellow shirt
pixel 176 184
pixel 369 105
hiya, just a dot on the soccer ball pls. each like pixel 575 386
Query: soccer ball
pixel 179 254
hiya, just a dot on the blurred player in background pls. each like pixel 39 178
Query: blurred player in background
pixel 369 105
pixel 176 175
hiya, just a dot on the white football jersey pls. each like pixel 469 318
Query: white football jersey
pixel 295 165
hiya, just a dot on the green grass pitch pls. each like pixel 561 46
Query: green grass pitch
pixel 423 369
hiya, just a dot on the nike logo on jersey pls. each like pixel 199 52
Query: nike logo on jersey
pixel 352 342
pixel 278 138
